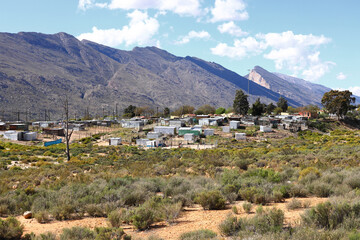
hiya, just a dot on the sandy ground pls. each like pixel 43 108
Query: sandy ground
pixel 191 219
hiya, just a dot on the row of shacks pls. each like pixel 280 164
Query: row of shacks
pixel 16 131
pixel 173 127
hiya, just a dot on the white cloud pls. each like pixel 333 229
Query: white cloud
pixel 242 48
pixel 181 7
pixel 192 35
pixel 86 4
pixel 140 31
pixel 355 90
pixel 341 76
pixel 232 29
pixel 229 10
pixel 297 53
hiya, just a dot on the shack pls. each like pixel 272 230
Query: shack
pixel 209 132
pixel 186 130
pixel 54 131
pixel 189 137
pixel 115 141
pixel 234 124
pixel 265 129
pixel 166 130
pixel 154 135
pixel 240 136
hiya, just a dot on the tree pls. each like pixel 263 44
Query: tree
pixel 241 104
pixel 205 109
pixel 185 109
pixel 270 108
pixel 258 108
pixel 166 112
pixel 67 134
pixel 129 111
pixel 277 111
pixel 283 104
pixel 220 110
pixel 338 102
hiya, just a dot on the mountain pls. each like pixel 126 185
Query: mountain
pixel 38 70
pixel 299 90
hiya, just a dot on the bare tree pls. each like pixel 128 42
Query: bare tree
pixel 67 134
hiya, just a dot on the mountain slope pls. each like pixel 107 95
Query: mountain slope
pixel 299 90
pixel 38 70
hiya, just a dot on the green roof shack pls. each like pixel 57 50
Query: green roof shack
pixel 185 130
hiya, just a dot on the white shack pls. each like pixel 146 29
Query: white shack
pixel 115 141
pixel 240 136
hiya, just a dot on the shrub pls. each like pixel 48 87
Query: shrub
pixel 353 181
pixel 321 189
pixel 143 218
pixel 211 200
pixel 328 215
pixel 198 235
pixel 294 204
pixel 172 211
pixel 277 196
pixel 45 236
pixel 230 226
pixel 95 210
pixel 235 210
pixel 63 212
pixel 103 233
pixel 42 217
pixel 10 229
pixel 247 207
pixel 307 171
pixel 78 233
pixel 115 218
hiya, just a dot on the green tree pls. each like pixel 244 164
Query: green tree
pixel 283 104
pixel 185 109
pixel 258 108
pixel 277 110
pixel 205 109
pixel 270 108
pixel 220 110
pixel 129 111
pixel 166 112
pixel 241 103
pixel 338 102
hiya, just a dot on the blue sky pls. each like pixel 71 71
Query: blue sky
pixel 315 40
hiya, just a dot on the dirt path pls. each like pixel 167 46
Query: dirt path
pixel 191 219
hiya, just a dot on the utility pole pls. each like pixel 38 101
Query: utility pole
pixel 116 110
pixel 18 116
pixel 67 134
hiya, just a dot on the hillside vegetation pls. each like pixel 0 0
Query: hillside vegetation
pixel 141 187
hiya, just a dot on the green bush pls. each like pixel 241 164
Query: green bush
pixel 103 233
pixel 77 233
pixel 211 200
pixel 247 206
pixel 230 226
pixel 45 236
pixel 293 204
pixel 143 218
pixel 198 235
pixel 10 229
pixel 172 211
pixel 115 218
pixel 42 217
pixel 330 216
pixel 94 210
